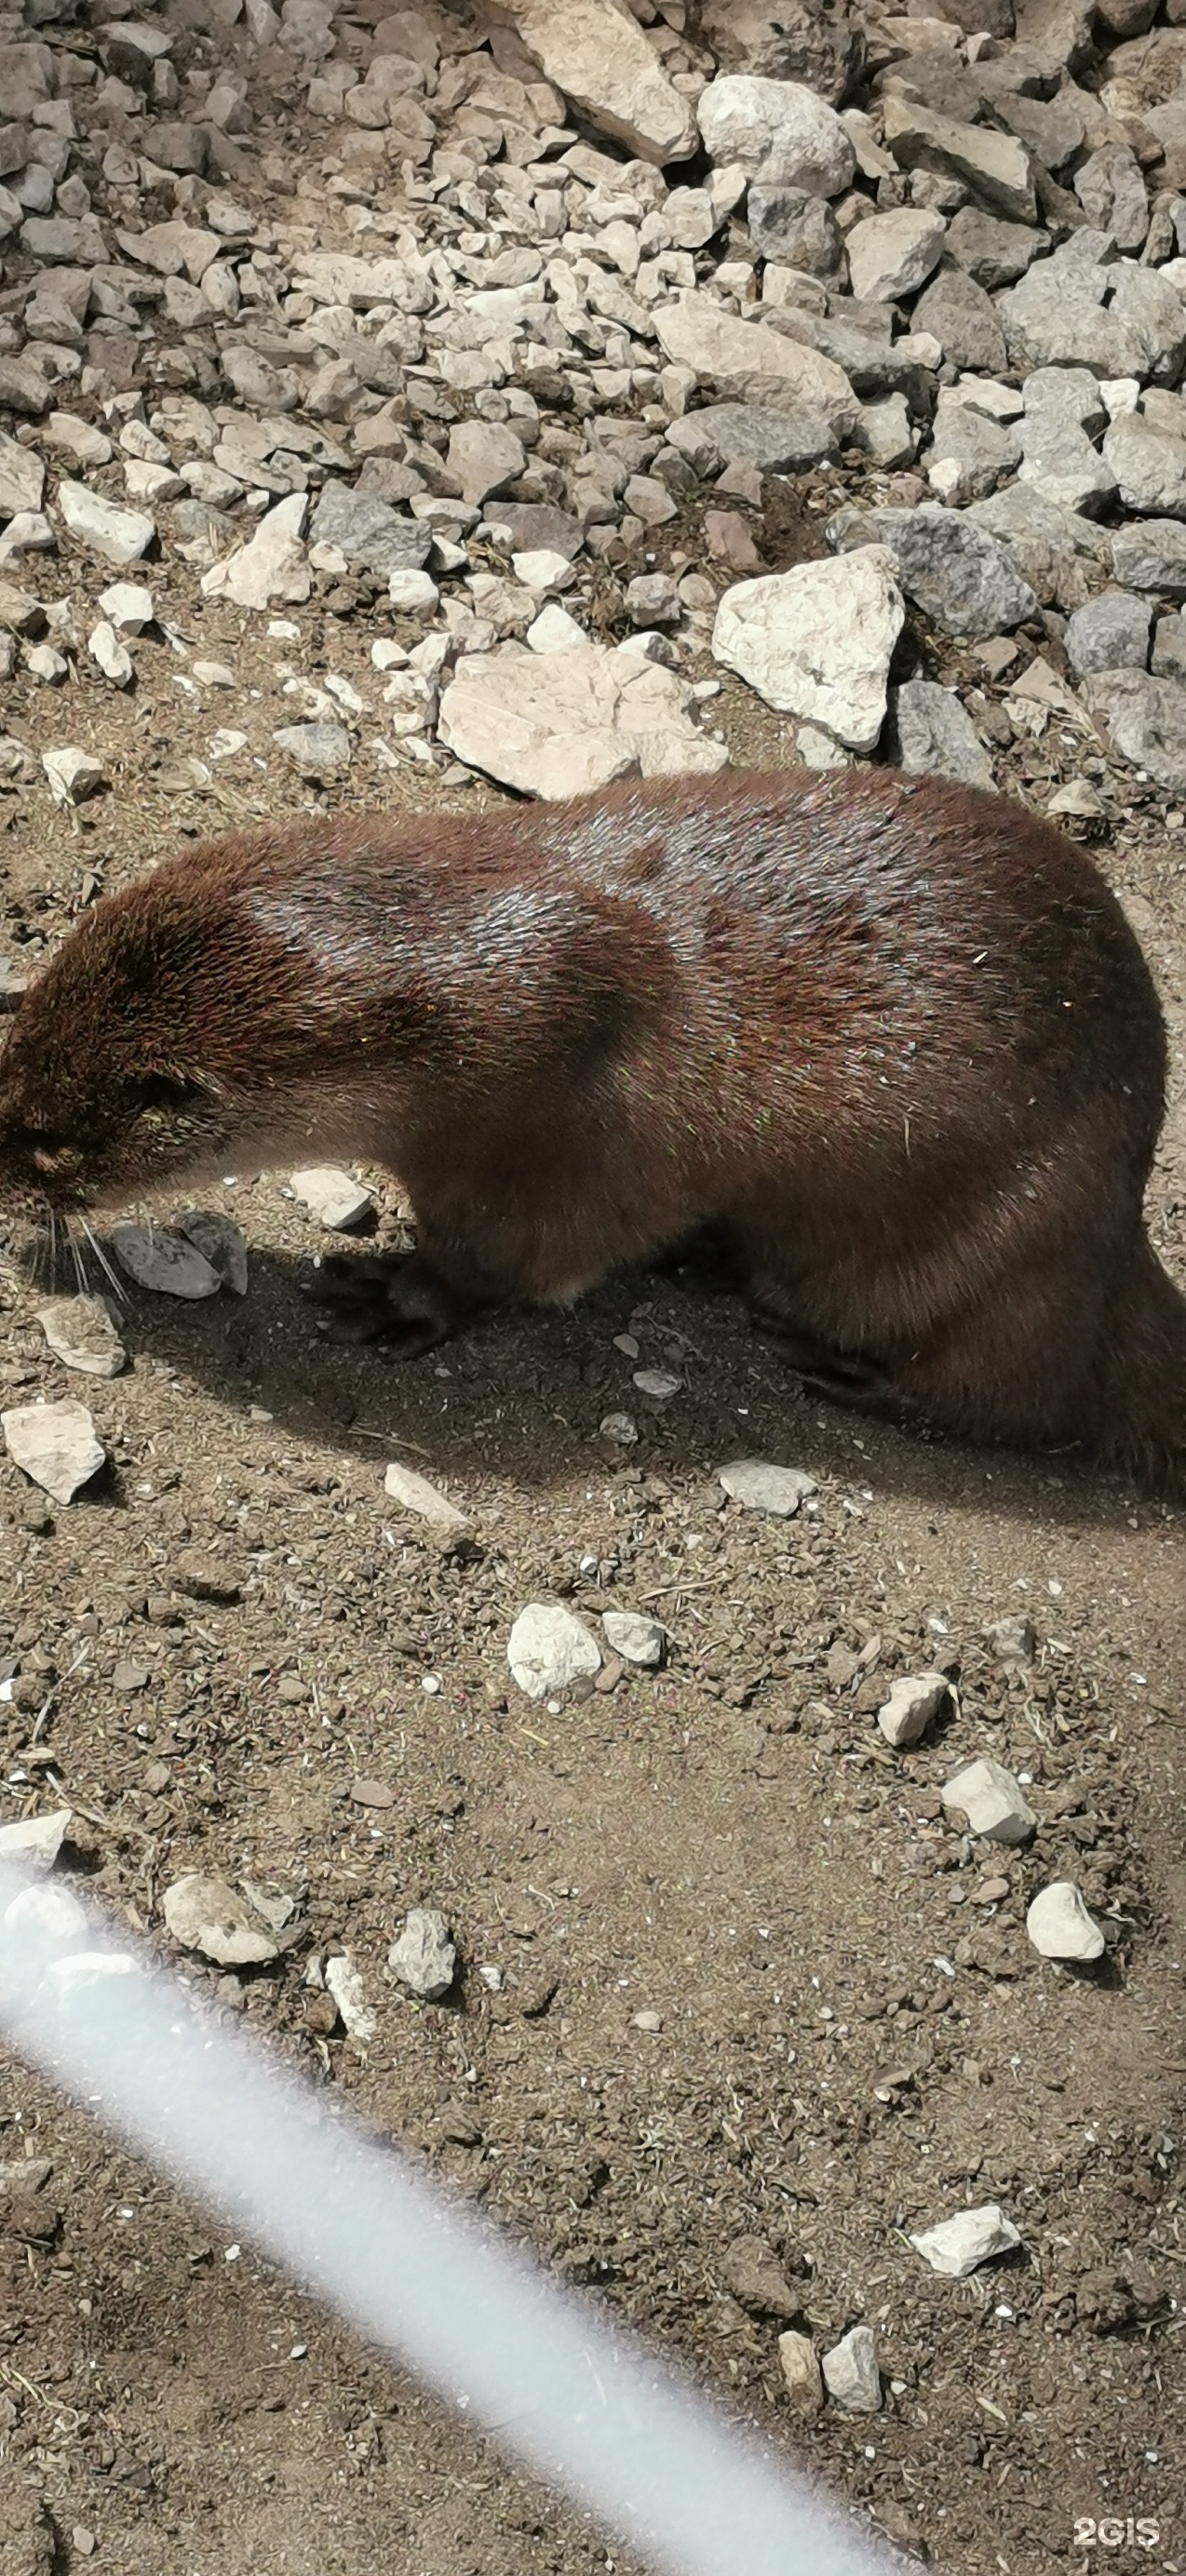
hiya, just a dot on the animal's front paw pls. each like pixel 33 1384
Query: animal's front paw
pixel 392 1298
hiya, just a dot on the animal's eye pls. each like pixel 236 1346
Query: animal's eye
pixel 166 1091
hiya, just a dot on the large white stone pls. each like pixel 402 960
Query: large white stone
pixel 759 1486
pixel 1060 1926
pixel 851 2373
pixel 992 1801
pixel 56 1445
pixel 555 724
pixel 272 565
pixel 958 2245
pixel 816 642
pixel 892 254
pixel 549 1648
pixel 778 131
pixel 119 536
pixel 596 53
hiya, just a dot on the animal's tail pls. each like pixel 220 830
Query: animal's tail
pixel 1142 1412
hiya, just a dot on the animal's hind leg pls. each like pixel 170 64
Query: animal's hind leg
pixel 845 1376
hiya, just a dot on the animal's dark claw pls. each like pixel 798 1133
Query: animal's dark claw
pixel 383 1297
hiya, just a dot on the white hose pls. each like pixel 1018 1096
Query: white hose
pixel 576 2399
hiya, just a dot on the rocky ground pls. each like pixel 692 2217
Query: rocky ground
pixel 404 407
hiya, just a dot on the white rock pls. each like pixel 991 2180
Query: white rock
pixel 990 1798
pixel 554 631
pixel 167 1263
pixel 221 1242
pixel 540 568
pixel 851 2374
pixel 552 724
pixel 113 658
pixel 801 2372
pixel 81 1334
pixel 597 54
pixel 958 2245
pixel 413 594
pixel 205 1914
pixel 73 774
pixel 549 1648
pixel 119 536
pixel 632 1635
pixel 890 255
pixel 816 642
pixel 214 675
pixel 22 478
pixel 776 131
pixel 344 1982
pixel 336 1201
pixel 34 1838
pixel 272 565
pixel 55 1444
pixel 127 606
pixel 659 1384
pixel 1060 1926
pixel 915 1698
pixel 424 1957
pixel 414 1493
pixel 760 1487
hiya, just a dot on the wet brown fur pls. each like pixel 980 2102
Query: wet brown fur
pixel 895 1038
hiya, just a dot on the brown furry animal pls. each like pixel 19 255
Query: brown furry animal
pixel 895 1039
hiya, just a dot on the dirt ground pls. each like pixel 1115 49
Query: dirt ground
pixel 848 2034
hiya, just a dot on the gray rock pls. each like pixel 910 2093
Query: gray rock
pixel 1014 1639
pixel 817 641
pixel 790 225
pixel 956 572
pixel 1044 542
pixel 1109 633
pixel 851 2374
pixel 165 1262
pixel 372 535
pixel 1150 554
pixel 1110 187
pixel 22 478
pixel 36 1840
pixel 80 1333
pixel 989 1797
pixel 55 1445
pixel 1148 464
pixel 789 40
pixel 892 254
pixel 776 131
pixel 964 322
pixel 777 442
pixel 424 1958
pixel 118 536
pixel 994 165
pixel 760 1487
pixel 1169 648
pixel 1061 463
pixel 885 429
pixel 317 750
pixel 935 736
pixel 23 388
pixel 976 453
pixel 221 1242
pixel 600 59
pixel 1145 720
pixel 485 456
pixel 549 1648
pixel 750 362
pixel 995 254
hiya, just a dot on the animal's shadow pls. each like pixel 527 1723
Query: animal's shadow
pixel 522 1396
